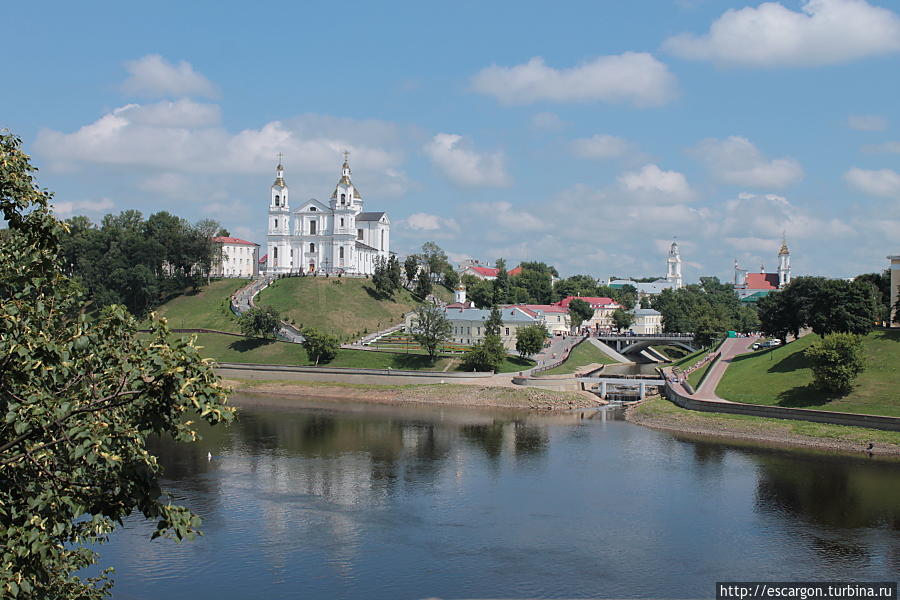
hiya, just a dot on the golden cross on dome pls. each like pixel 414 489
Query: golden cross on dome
pixel 279 158
pixel 346 155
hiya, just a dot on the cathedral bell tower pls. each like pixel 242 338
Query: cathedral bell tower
pixel 673 274
pixel 784 265
pixel 278 243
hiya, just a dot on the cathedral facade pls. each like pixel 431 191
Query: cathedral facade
pixel 338 237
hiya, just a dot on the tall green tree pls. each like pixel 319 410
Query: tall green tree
pixel 579 312
pixel 494 322
pixel 320 346
pixel 430 328
pixel 501 283
pixel 435 259
pixel 260 321
pixel 410 269
pixel 622 319
pixel 487 355
pixel 423 284
pixel 79 399
pixel 837 359
pixel 394 273
pixel 530 340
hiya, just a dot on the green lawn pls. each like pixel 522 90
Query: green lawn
pixel 206 309
pixel 671 352
pixel 781 376
pixel 695 377
pixel 345 307
pixel 583 354
pixel 226 348
pixel 686 361
pixel 660 408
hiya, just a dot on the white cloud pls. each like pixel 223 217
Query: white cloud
pixel 736 160
pixel 67 209
pixel 768 216
pixel 602 146
pixel 184 137
pixel 632 77
pixel 464 166
pixel 867 122
pixel 506 216
pixel 890 147
pixel 546 121
pixel 823 32
pixel 429 223
pixel 884 182
pixel 154 76
pixel 655 185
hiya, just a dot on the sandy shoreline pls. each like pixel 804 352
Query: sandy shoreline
pixel 467 396
pixel 764 432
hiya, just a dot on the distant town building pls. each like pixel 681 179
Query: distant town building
pixel 334 237
pixel 895 284
pixel 603 309
pixel 750 287
pixel 486 273
pixel 468 324
pixel 554 317
pixel 645 289
pixel 646 321
pixel 239 258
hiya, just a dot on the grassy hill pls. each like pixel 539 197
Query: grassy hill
pixel 782 376
pixel 206 309
pixel 583 354
pixel 345 307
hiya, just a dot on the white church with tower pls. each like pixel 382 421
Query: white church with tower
pixel 338 237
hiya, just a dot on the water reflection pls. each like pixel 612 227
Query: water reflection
pixel 390 502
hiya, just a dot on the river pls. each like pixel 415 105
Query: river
pixel 375 502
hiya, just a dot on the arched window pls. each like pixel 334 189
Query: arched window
pixel 276 201
pixel 342 221
pixel 312 209
pixel 343 198
pixel 275 253
pixel 312 247
pixel 276 223
pixel 341 253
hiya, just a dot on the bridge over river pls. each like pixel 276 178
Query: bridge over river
pixel 640 384
pixel 625 343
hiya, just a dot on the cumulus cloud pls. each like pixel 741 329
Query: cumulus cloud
pixel 632 77
pixel 602 146
pixel 425 222
pixel 652 184
pixel 185 137
pixel 867 122
pixel 506 216
pixel 823 32
pixel 883 182
pixel 736 160
pixel 464 166
pixel 153 76
pixel 64 210
pixel 751 216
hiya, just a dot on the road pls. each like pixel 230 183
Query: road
pixel 730 348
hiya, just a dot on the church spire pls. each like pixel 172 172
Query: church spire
pixel 279 173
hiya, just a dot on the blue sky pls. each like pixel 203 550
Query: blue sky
pixel 586 135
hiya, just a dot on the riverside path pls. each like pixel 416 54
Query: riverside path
pixel 730 348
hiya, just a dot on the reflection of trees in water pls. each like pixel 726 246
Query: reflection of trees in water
pixel 709 454
pixel 837 493
pixel 521 438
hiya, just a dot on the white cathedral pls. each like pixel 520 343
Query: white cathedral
pixel 334 238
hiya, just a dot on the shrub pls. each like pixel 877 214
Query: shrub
pixel 837 360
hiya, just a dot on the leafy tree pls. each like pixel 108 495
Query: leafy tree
pixel 707 330
pixel 627 296
pixel 843 307
pixel 451 278
pixel 435 259
pixel 320 347
pixel 487 355
pixel 882 283
pixel 530 340
pixel 579 312
pixel 411 268
pixel 394 273
pixel 622 319
pixel 501 283
pixel 381 277
pixel 576 285
pixel 494 323
pixel 645 302
pixel 536 279
pixel 260 321
pixel 423 284
pixel 80 397
pixel 836 361
pixel 481 293
pixel 430 328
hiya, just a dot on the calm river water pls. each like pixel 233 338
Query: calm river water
pixel 396 503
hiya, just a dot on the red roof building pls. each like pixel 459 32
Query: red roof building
pixel 762 281
pixel 233 240
pixel 488 272
pixel 595 302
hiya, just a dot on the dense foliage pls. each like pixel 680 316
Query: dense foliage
pixel 823 305
pixel 836 361
pixel 622 319
pixel 711 306
pixel 487 355
pixel 387 275
pixel 430 328
pixel 135 262
pixel 78 399
pixel 260 321
pixel 320 347
pixel 579 312
pixel 530 340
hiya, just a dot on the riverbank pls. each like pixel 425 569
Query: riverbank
pixel 661 414
pixel 447 394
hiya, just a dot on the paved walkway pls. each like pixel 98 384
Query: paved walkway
pixel 730 348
